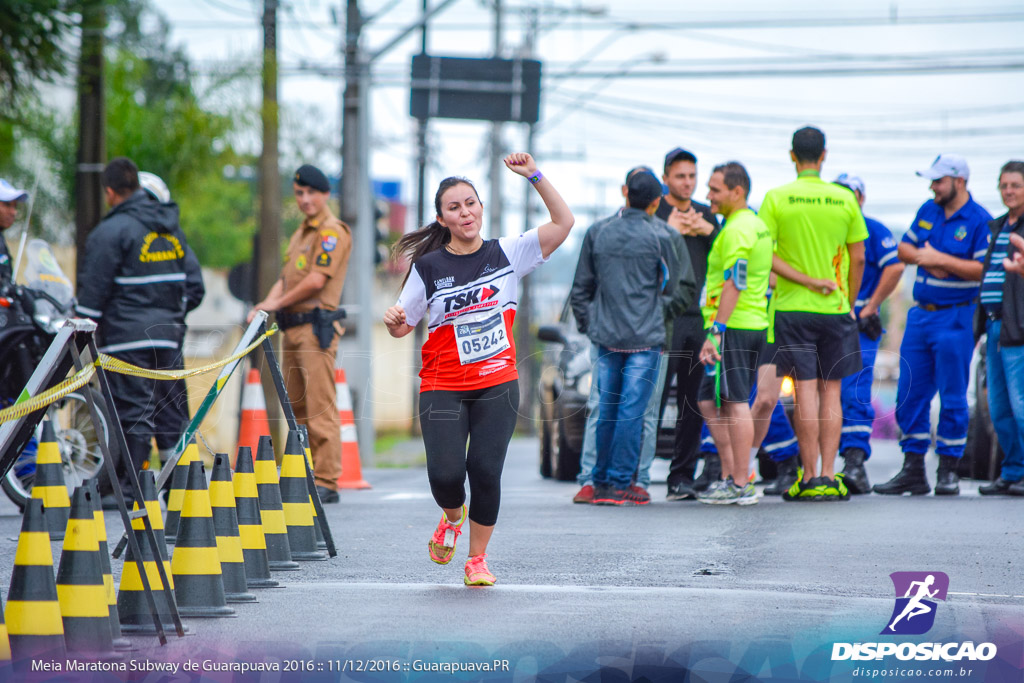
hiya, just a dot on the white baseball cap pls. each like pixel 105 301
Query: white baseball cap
pixel 952 165
pixel 850 182
pixel 9 193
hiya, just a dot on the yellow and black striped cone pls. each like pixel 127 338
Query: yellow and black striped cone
pixel 49 484
pixel 298 515
pixel 250 523
pixel 80 590
pixel 5 643
pixel 321 543
pixel 34 626
pixel 179 478
pixel 132 606
pixel 119 643
pixel 225 525
pixel 275 531
pixel 198 585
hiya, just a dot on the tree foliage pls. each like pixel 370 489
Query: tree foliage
pixel 32 38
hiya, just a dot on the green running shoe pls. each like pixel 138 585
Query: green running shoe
pixel 836 489
pixel 802 491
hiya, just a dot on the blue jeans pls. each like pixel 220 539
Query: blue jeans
pixel 625 382
pixel 1005 373
pixel 588 456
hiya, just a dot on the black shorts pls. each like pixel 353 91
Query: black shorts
pixel 771 349
pixel 816 345
pixel 741 352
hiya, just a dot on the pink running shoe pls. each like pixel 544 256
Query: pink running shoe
pixel 442 543
pixel 477 573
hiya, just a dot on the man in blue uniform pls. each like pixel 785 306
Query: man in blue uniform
pixel 947 242
pixel 882 272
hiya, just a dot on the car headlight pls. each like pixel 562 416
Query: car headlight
pixel 583 383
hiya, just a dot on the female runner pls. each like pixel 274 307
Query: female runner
pixel 467 289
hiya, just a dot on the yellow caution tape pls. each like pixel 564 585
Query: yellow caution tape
pixel 19 410
pixel 111 364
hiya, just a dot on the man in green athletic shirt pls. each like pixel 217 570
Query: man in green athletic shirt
pixel 819 235
pixel 736 322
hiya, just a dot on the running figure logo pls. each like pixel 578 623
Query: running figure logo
pixel 916 595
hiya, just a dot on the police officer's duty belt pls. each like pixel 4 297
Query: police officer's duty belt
pixel 321 318
pixel 941 307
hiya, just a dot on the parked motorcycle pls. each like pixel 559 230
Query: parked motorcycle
pixel 30 315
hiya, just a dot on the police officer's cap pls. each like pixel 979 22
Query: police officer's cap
pixel 312 177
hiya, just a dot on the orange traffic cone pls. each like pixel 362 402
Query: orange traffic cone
pixel 34 624
pixel 351 469
pixel 49 483
pixel 254 423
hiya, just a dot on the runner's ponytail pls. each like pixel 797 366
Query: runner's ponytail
pixel 432 236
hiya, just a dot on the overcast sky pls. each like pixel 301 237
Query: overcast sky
pixel 654 75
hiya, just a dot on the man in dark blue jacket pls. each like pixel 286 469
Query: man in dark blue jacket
pixel 136 280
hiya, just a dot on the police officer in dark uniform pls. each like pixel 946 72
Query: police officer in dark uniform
pixel 306 301
pixel 133 281
pixel 10 197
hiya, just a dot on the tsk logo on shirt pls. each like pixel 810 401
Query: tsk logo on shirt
pixel 481 297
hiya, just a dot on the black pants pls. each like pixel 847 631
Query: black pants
pixel 684 364
pixel 147 409
pixel 487 418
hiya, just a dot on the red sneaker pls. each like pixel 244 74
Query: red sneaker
pixel 442 542
pixel 638 495
pixel 584 495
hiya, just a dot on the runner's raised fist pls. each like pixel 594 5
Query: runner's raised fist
pixel 521 163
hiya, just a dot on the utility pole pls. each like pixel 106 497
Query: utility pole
pixel 92 143
pixel 350 170
pixel 421 220
pixel 268 240
pixel 528 366
pixel 497 168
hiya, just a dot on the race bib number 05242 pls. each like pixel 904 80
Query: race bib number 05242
pixel 481 339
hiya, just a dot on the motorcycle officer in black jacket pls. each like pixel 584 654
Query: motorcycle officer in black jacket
pixel 137 280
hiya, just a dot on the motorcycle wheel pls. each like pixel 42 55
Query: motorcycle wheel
pixel 79 441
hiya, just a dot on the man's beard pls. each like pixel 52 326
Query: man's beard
pixel 944 199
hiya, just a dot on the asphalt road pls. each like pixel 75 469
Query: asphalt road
pixel 644 591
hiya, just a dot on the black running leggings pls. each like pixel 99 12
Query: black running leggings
pixel 487 418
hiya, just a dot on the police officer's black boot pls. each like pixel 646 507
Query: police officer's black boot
pixel 911 479
pixel 784 477
pixel 856 477
pixel 712 472
pixel 947 480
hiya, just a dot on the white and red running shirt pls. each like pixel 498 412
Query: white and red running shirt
pixel 470 303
